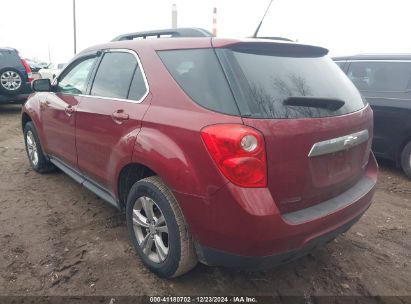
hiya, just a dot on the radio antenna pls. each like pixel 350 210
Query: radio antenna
pixel 261 22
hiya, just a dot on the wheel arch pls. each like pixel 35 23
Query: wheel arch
pixel 31 112
pixel 128 176
pixel 25 118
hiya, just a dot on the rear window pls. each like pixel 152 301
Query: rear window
pixel 381 76
pixel 274 85
pixel 4 53
pixel 263 84
pixel 199 74
pixel 9 57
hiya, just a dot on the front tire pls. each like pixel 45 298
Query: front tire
pixel 37 159
pixel 406 160
pixel 158 230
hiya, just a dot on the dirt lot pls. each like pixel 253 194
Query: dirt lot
pixel 57 238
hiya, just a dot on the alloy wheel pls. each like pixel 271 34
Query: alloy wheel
pixel 32 148
pixel 150 229
pixel 10 80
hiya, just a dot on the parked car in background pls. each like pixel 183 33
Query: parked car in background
pixel 52 70
pixel 15 77
pixel 245 153
pixel 385 81
pixel 34 66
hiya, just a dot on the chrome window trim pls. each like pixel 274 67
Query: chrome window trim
pixel 113 98
pixel 338 144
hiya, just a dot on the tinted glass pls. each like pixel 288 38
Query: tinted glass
pixel 4 53
pixel 380 76
pixel 199 74
pixel 9 59
pixel 268 82
pixel 114 75
pixel 340 64
pixel 138 87
pixel 75 81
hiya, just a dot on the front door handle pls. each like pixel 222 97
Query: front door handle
pixel 119 116
pixel 69 110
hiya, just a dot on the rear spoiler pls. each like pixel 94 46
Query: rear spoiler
pixel 278 48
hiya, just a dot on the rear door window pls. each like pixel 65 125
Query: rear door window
pixel 374 76
pixel 114 75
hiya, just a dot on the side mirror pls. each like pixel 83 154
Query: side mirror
pixel 41 85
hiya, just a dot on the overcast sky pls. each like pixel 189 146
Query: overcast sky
pixel 344 27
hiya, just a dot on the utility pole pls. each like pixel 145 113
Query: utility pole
pixel 74 27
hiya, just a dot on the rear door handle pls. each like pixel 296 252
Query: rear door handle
pixel 69 110
pixel 119 116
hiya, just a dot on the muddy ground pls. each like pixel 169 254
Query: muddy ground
pixel 57 238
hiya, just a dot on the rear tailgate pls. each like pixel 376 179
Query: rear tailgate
pixel 297 180
pixel 317 127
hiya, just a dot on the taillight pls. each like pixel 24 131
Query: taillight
pixel 28 69
pixel 239 153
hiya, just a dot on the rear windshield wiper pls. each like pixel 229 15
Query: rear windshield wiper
pixel 314 102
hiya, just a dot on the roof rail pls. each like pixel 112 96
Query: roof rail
pixel 177 32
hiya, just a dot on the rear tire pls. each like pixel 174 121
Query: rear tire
pixel 159 233
pixel 406 160
pixel 37 159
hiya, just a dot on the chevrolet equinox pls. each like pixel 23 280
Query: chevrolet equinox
pixel 231 152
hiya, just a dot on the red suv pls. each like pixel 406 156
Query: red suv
pixel 229 152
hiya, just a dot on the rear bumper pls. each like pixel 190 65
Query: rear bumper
pixel 215 257
pixel 241 226
pixel 9 99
